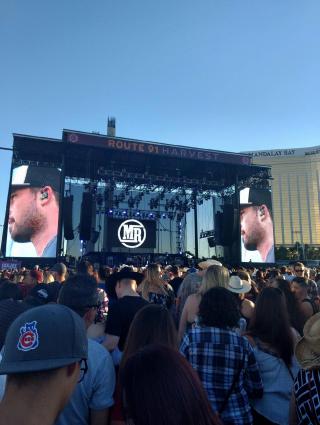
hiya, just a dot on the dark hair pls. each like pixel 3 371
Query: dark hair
pixel 273 274
pixel 9 290
pixel 174 269
pixel 153 324
pixel 84 267
pixel 301 281
pixel 218 308
pixel 160 387
pixel 270 323
pixel 79 293
pixel 295 314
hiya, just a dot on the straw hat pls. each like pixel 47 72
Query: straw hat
pixel 238 286
pixel 308 347
pixel 207 263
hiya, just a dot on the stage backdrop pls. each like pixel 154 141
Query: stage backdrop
pixel 132 233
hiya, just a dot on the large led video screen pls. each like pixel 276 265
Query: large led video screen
pixel 132 233
pixel 33 218
pixel 256 226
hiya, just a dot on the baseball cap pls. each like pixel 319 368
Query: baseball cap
pixel 32 176
pixel 252 196
pixel 42 293
pixel 59 268
pixel 44 338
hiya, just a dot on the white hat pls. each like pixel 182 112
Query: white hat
pixel 207 263
pixel 238 286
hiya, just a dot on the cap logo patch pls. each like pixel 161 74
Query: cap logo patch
pixel 29 338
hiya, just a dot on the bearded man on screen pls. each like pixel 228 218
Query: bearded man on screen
pixel 256 223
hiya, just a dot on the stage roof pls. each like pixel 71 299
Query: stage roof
pixel 97 157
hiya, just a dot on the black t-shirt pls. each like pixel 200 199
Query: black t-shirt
pixel 120 316
pixel 175 283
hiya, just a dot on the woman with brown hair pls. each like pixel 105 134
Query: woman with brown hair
pixel 161 388
pixel 295 313
pixel 213 276
pixel 272 340
pixel 153 324
pixel 154 289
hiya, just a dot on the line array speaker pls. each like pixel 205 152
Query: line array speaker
pixel 86 216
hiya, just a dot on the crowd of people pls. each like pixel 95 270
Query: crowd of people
pixel 160 345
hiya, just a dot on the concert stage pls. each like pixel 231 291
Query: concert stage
pixel 136 198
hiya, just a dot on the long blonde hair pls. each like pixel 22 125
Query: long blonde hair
pixel 152 280
pixel 214 276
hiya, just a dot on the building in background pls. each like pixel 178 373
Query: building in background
pixel 295 194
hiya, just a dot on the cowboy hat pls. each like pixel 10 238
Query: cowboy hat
pixel 238 286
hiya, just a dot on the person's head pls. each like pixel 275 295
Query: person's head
pixel 295 314
pixel 85 267
pixel 80 293
pixel 299 269
pixel 255 224
pixel 9 290
pixel 34 201
pixel 59 272
pixel 283 270
pixel 218 308
pixel 238 286
pixel 153 324
pixel 124 282
pixel 159 387
pixel 270 322
pixel 153 272
pixel 255 217
pixel 204 265
pixel 273 274
pixel 33 277
pixel 44 347
pixel 300 287
pixel 174 271
pixel 48 277
pixel 214 276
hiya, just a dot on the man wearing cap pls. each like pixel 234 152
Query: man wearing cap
pixel 256 225
pixel 93 397
pixel 45 352
pixel 122 312
pixel 34 209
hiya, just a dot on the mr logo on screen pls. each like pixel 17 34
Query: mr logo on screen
pixel 132 233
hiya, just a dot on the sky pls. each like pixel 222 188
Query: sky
pixel 231 75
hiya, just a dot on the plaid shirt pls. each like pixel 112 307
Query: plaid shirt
pixel 217 355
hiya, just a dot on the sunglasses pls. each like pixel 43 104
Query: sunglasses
pixel 299 270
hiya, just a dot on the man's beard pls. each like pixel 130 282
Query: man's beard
pixel 250 245
pixel 32 224
pixel 252 241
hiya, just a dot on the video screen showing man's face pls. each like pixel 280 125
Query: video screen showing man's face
pixel 33 212
pixel 256 226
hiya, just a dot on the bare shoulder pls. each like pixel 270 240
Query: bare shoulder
pixel 247 308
